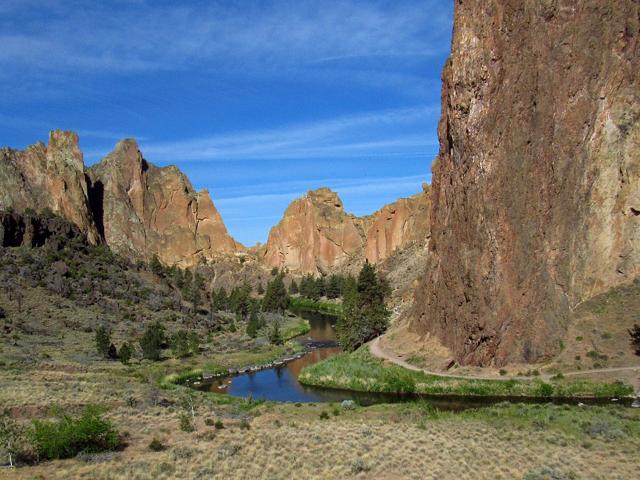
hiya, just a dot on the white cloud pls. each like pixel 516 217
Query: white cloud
pixel 142 36
pixel 367 134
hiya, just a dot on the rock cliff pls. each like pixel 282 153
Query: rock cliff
pixel 536 190
pixel 142 210
pixel 316 235
pixel 50 178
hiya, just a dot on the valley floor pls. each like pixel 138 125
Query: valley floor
pixel 267 440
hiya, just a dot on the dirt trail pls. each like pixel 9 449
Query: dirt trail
pixel 378 351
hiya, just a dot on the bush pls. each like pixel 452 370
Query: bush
pixel 152 341
pixel 186 423
pixel 209 422
pixel 15 443
pixel 125 353
pixel 156 445
pixel 324 415
pixel 103 341
pixel 66 436
pixel 184 344
pixel 219 425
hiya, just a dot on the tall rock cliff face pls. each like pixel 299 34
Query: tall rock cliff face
pixel 397 225
pixel 48 177
pixel 316 235
pixel 536 193
pixel 142 210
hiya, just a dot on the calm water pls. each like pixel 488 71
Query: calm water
pixel 281 383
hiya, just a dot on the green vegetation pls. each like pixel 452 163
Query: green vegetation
pixel 152 341
pixel 66 436
pixel 307 304
pixel 364 313
pixel 184 344
pixel 634 333
pixel 275 335
pixel 294 329
pixel 125 353
pixel 156 445
pixel 276 298
pixel 361 371
pixel 103 341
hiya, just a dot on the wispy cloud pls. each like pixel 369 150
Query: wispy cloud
pixel 130 36
pixel 367 134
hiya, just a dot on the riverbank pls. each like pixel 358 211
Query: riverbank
pixel 318 306
pixel 361 371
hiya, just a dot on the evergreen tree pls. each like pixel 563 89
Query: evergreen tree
pixel 184 343
pixel 364 313
pixel 196 294
pixel 333 289
pixel 152 341
pixel 219 301
pixel 156 266
pixel 103 341
pixel 276 298
pixel 634 333
pixel 125 353
pixel 275 336
pixel 293 288
pixel 260 289
pixel 254 323
pixel 320 287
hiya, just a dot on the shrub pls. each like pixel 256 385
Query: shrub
pixel 15 443
pixel 219 425
pixel 103 341
pixel 545 390
pixel 152 341
pixel 186 423
pixel 156 445
pixel 125 353
pixel 244 424
pixel 324 415
pixel 209 422
pixel 66 436
pixel 503 372
pixel 184 344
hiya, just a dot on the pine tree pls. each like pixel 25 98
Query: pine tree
pixel 254 324
pixel 333 289
pixel 103 341
pixel 276 298
pixel 364 313
pixel 125 353
pixel 152 341
pixel 275 336
pixel 156 266
pixel 293 287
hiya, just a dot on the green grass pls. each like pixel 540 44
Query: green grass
pixel 307 304
pixel 295 327
pixel 361 371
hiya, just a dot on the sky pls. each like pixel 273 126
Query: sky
pixel 257 101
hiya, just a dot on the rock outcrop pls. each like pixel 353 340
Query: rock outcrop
pixel 34 230
pixel 50 178
pixel 316 235
pixel 536 190
pixel 143 210
pixel 397 225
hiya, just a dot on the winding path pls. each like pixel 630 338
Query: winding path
pixel 377 351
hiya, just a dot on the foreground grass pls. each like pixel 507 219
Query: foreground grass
pixel 308 304
pixel 361 371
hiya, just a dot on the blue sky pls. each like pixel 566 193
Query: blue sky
pixel 258 101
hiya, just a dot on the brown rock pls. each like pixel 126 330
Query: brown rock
pixel 536 190
pixel 144 210
pixel 48 178
pixel 315 235
pixel 397 225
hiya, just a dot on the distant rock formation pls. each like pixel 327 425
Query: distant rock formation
pixel 137 209
pixel 316 235
pixel 48 177
pixel 143 210
pixel 536 190
pixel 397 225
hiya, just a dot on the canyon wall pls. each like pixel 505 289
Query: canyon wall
pixel 143 210
pixel 136 208
pixel 50 178
pixel 536 189
pixel 316 235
